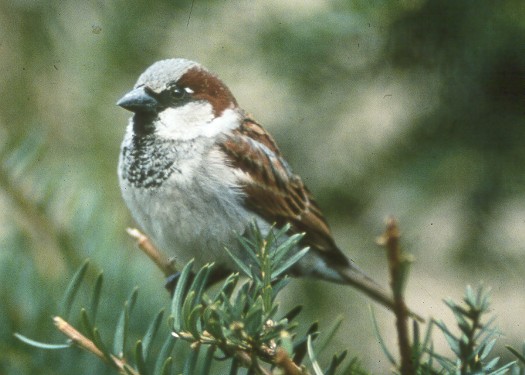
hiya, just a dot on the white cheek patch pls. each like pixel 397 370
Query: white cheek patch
pixel 184 122
pixel 194 119
pixel 228 120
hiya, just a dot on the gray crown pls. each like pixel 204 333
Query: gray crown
pixel 160 73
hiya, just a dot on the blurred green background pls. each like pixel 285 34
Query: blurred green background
pixel 410 108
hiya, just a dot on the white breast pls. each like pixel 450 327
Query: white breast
pixel 195 212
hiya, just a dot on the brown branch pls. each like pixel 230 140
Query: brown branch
pixel 397 262
pixel 144 244
pixel 247 362
pixel 84 343
pixel 284 362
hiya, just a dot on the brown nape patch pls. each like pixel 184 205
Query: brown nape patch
pixel 207 87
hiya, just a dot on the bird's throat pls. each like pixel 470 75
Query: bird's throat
pixel 144 123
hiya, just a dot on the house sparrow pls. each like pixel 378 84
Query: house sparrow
pixel 195 169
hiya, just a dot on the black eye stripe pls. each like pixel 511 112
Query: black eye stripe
pixel 174 95
pixel 149 90
pixel 178 92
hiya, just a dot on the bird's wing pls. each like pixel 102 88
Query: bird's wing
pixel 274 192
pixel 279 196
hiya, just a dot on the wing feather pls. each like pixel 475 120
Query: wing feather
pixel 274 192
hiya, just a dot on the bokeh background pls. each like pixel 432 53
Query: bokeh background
pixel 410 108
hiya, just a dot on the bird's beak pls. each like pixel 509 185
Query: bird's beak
pixel 139 100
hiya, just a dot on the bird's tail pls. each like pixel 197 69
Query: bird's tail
pixel 352 275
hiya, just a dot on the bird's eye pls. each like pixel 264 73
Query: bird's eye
pixel 177 93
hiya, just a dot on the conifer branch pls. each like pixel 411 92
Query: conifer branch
pixel 145 244
pixel 84 343
pixel 397 265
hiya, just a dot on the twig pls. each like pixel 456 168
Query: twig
pixel 284 362
pixel 83 342
pixel 247 362
pixel 396 264
pixel 144 244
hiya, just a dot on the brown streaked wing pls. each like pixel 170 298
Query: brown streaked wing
pixel 274 192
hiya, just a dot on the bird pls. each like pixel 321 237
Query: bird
pixel 195 170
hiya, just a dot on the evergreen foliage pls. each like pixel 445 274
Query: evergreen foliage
pixel 240 323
